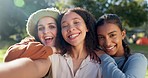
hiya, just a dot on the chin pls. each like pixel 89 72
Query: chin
pixel 48 45
pixel 111 54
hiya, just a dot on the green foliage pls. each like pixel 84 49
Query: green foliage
pixel 4 46
pixel 95 7
pixel 13 16
pixel 138 48
pixel 12 19
pixel 2 52
pixel 146 74
pixel 6 43
pixel 133 13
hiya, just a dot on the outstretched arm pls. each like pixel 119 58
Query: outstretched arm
pixel 24 68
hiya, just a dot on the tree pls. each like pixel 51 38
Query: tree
pixel 11 20
pixel 13 17
pixel 132 13
pixel 14 14
pixel 97 8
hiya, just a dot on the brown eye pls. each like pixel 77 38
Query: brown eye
pixel 64 25
pixel 52 26
pixel 113 35
pixel 40 28
pixel 100 37
pixel 76 22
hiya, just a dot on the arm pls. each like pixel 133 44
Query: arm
pixel 135 67
pixel 24 68
pixel 33 50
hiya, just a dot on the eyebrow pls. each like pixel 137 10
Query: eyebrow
pixel 108 33
pixel 112 32
pixel 76 18
pixel 48 24
pixel 72 19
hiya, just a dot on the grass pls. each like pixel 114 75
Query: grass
pixel 3 47
pixel 140 49
pixel 2 52
pixel 135 48
pixel 146 76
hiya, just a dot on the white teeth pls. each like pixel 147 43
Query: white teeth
pixel 74 35
pixel 48 37
pixel 111 47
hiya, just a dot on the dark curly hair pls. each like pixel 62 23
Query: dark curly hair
pixel 90 40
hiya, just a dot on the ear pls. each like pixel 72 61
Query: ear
pixel 123 33
pixel 86 30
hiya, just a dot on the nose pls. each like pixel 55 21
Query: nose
pixel 46 30
pixel 71 28
pixel 107 42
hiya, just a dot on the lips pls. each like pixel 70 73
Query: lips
pixel 109 49
pixel 73 36
pixel 48 39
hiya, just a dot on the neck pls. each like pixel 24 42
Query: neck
pixel 120 52
pixel 79 53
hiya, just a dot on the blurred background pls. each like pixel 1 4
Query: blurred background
pixel 133 13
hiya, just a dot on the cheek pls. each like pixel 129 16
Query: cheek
pixel 54 32
pixel 117 40
pixel 63 33
pixel 100 42
pixel 83 27
pixel 40 34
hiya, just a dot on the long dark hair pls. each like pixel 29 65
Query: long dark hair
pixel 114 19
pixel 90 40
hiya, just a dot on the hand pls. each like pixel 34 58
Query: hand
pixel 27 40
pixel 94 57
pixel 100 52
pixel 36 50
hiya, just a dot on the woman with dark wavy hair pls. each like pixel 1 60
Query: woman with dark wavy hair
pixel 77 44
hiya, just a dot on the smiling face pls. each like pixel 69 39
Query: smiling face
pixel 110 39
pixel 73 28
pixel 47 31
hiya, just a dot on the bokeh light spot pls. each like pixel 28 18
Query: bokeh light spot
pixel 19 3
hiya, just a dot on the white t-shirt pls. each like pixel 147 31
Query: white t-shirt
pixel 62 67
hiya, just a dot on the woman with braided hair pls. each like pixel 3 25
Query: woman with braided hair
pixel 117 61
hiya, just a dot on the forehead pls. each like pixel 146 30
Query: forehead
pixel 107 28
pixel 47 18
pixel 70 16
